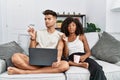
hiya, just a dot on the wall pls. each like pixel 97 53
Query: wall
pixel 0 24
pixel 18 14
pixel 21 13
pixel 112 18
pixel 96 12
pixel 3 21
pixel 99 12
pixel 30 11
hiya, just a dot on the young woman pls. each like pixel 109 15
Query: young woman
pixel 76 44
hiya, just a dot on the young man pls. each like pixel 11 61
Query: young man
pixel 48 38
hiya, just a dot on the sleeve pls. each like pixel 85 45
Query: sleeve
pixel 37 40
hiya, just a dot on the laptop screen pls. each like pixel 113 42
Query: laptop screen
pixel 42 56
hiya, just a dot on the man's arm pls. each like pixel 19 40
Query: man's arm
pixel 60 49
pixel 33 41
pixel 66 51
pixel 33 34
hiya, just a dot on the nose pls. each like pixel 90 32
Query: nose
pixel 46 21
pixel 70 27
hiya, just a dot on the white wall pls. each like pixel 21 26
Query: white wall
pixel 99 12
pixel 112 18
pixel 24 12
pixel 21 13
pixel 16 15
pixel 0 24
pixel 96 12
pixel 3 21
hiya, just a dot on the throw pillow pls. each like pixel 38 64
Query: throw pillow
pixel 107 48
pixel 7 50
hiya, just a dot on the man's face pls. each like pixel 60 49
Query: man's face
pixel 50 21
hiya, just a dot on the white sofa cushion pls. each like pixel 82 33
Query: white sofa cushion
pixel 2 66
pixel 24 41
pixel 54 76
pixel 77 73
pixel 112 72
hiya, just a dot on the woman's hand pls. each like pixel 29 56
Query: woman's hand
pixel 64 38
pixel 83 58
pixel 32 32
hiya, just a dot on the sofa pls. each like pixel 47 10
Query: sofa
pixel 111 69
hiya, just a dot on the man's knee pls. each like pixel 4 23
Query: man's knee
pixel 16 57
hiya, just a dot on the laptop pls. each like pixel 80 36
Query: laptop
pixel 42 56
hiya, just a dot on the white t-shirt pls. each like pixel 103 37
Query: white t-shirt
pixel 48 40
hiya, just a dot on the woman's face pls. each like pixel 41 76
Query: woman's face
pixel 72 27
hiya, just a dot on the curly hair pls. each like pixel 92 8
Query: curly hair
pixel 67 21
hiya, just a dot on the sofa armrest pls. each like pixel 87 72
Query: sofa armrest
pixel 116 35
pixel 2 66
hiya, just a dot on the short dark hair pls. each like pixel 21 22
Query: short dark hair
pixel 47 12
pixel 67 21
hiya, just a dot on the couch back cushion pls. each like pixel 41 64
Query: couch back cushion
pixel 92 38
pixel 24 41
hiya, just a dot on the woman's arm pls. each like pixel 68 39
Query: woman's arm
pixel 65 41
pixel 86 48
